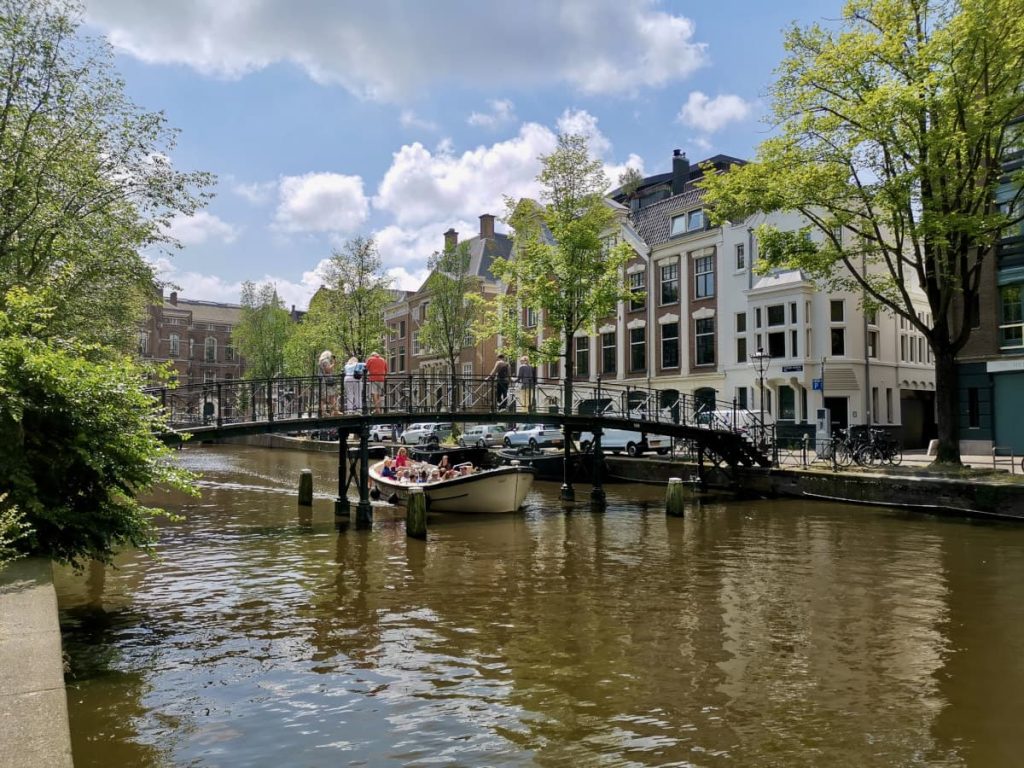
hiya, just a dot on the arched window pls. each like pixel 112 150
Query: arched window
pixel 211 349
pixel 175 345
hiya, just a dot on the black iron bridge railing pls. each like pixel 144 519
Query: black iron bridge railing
pixel 404 397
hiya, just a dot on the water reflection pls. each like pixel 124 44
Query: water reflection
pixel 743 634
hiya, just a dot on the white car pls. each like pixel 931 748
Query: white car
pixel 381 432
pixel 633 443
pixel 482 435
pixel 535 436
pixel 421 433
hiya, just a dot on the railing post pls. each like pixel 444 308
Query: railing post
pixel 735 425
pixel 220 407
pixel 252 400
pixel 270 400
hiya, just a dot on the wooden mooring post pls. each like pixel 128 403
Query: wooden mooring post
pixel 306 488
pixel 416 514
pixel 674 505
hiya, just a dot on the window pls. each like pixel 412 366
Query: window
pixel 777 344
pixel 467 370
pixel 704 337
pixel 787 404
pixel 792 312
pixel 401 329
pixel 424 307
pixel 837 310
pixel 175 345
pixel 401 359
pixel 741 256
pixel 636 290
pixel 873 344
pixel 637 349
pixel 741 397
pixel 871 315
pixel 793 348
pixel 210 350
pixel 776 315
pixel 888 405
pixel 687 222
pixel 582 355
pixel 838 342
pixel 143 343
pixel 670 345
pixel 741 337
pixel 229 354
pixel 670 283
pixel 531 317
pixel 1012 318
pixel 704 276
pixel 757 317
pixel 608 352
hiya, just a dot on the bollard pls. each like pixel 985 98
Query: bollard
pixel 306 488
pixel 674 497
pixel 416 514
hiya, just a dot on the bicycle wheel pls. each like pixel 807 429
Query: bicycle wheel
pixel 868 456
pixel 895 455
pixel 844 456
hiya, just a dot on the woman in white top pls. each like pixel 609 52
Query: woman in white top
pixel 325 371
pixel 353 385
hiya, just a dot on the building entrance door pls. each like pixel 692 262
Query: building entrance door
pixel 838 407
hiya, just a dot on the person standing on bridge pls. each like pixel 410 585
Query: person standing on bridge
pixel 376 373
pixel 325 372
pixel 500 375
pixel 527 378
pixel 354 371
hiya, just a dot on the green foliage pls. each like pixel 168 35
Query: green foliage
pixel 262 331
pixel 356 293
pixel 77 441
pixel 455 304
pixel 564 265
pixel 309 338
pixel 12 529
pixel 890 130
pixel 85 179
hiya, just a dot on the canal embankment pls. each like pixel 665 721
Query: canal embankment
pixel 33 702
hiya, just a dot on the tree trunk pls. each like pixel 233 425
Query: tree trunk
pixel 567 370
pixel 947 407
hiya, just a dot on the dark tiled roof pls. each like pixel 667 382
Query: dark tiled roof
pixel 653 223
pixel 483 252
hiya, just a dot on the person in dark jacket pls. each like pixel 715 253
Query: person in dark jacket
pixel 500 374
pixel 527 379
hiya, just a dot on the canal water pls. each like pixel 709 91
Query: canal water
pixel 749 633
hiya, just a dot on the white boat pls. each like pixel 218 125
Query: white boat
pixel 488 490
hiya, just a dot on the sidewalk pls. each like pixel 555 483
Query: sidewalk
pixel 33 704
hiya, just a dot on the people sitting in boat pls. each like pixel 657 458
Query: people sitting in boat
pixel 402 459
pixel 445 470
pixel 388 470
pixel 466 468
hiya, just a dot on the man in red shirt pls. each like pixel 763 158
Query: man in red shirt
pixel 376 372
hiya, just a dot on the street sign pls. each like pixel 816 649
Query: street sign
pixel 818 385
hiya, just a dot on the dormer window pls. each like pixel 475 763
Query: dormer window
pixel 691 221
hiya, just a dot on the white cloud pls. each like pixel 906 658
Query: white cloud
pixel 410 119
pixel 390 49
pixel 257 192
pixel 321 202
pixel 423 186
pixel 709 115
pixel 404 280
pixel 502 111
pixel 201 227
pixel 581 122
pixel 195 285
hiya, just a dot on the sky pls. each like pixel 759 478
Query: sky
pixel 324 120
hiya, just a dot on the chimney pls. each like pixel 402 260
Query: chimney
pixel 680 171
pixel 487 226
pixel 451 239
pixel 174 298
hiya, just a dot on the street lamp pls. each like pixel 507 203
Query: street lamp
pixel 760 361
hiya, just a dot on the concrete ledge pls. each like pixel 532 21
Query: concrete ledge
pixel 34 729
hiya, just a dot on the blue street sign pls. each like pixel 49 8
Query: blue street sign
pixel 818 385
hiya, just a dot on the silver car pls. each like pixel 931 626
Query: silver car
pixel 535 436
pixel 482 435
pixel 424 433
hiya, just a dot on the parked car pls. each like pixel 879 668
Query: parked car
pixel 534 436
pixel 633 443
pixel 381 432
pixel 482 435
pixel 427 432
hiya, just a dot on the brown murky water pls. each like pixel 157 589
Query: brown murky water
pixel 747 634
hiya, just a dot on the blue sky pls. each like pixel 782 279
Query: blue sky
pixel 327 119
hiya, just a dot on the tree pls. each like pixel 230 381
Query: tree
pixel 890 135
pixel 563 265
pixel 358 292
pixel 455 304
pixel 309 338
pixel 78 442
pixel 262 331
pixel 85 179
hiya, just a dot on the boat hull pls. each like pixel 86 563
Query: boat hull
pixel 491 491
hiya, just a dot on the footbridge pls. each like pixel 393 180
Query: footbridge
pixel 720 432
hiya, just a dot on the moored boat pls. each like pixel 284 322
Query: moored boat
pixel 548 462
pixel 483 491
